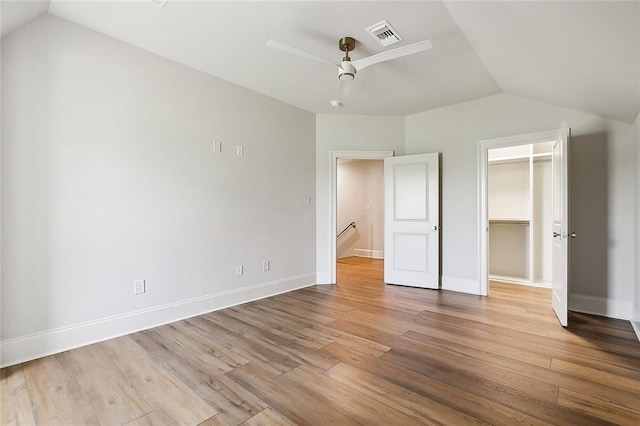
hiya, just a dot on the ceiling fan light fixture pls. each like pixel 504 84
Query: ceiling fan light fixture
pixel 345 76
pixel 346 71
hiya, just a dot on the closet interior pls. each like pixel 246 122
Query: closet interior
pixel 520 215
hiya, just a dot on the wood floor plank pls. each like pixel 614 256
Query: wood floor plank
pixel 474 368
pixel 481 341
pixel 237 336
pixel 269 417
pixel 295 402
pixel 102 386
pixel 216 420
pixel 360 407
pixel 153 418
pixel 493 391
pixel 364 331
pixel 55 393
pixel 15 402
pixel 419 407
pixel 597 375
pixel 598 408
pixel 232 402
pixel 464 402
pixel 290 351
pixel 159 386
pixel 554 348
pixel 608 394
pixel 184 337
pixel 357 352
pixel 279 326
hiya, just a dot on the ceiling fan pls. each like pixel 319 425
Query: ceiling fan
pixel 347 69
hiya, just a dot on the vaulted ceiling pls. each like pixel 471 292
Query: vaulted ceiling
pixel 582 55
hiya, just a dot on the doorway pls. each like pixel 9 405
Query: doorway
pixel 360 224
pixel 520 217
pixel 509 216
pixel 411 217
pixel 335 157
pixel 559 141
pixel 360 208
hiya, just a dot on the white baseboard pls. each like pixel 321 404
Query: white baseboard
pixel 25 348
pixel 636 328
pixel 519 281
pixel 461 285
pixel 635 322
pixel 620 309
pixel 373 254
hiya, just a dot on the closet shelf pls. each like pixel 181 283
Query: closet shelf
pixel 515 221
pixel 509 160
pixel 542 155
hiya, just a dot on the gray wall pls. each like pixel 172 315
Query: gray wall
pixel 636 310
pixel 601 180
pixel 109 176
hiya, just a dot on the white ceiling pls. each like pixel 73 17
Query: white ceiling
pixel 583 55
pixel 14 14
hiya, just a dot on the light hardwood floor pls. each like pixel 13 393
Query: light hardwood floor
pixel 358 352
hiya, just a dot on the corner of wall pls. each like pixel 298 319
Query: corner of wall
pixel 635 322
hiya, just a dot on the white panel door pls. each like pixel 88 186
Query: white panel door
pixel 412 221
pixel 560 208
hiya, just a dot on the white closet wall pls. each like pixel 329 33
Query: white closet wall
pixel 519 190
pixel 542 219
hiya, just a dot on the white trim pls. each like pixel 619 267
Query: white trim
pixel 335 155
pixel 519 281
pixel 483 217
pixel 636 328
pixel 372 254
pixel 25 348
pixel 635 321
pixel 461 285
pixel 601 306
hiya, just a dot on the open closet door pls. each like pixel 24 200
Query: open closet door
pixel 412 222
pixel 560 207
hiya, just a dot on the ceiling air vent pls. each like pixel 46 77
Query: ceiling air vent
pixel 384 33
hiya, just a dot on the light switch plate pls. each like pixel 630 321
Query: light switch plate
pixel 139 287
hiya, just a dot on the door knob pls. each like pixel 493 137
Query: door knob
pixel 556 234
pixel 572 234
pixel 436 228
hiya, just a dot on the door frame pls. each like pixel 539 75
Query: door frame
pixel 345 155
pixel 483 202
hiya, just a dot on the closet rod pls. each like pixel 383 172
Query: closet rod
pixel 517 161
pixel 509 222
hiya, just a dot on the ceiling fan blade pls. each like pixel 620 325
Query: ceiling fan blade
pixel 295 51
pixel 392 54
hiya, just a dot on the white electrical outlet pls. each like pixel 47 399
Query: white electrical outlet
pixel 266 265
pixel 139 287
pixel 217 146
pixel 239 270
pixel 240 150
